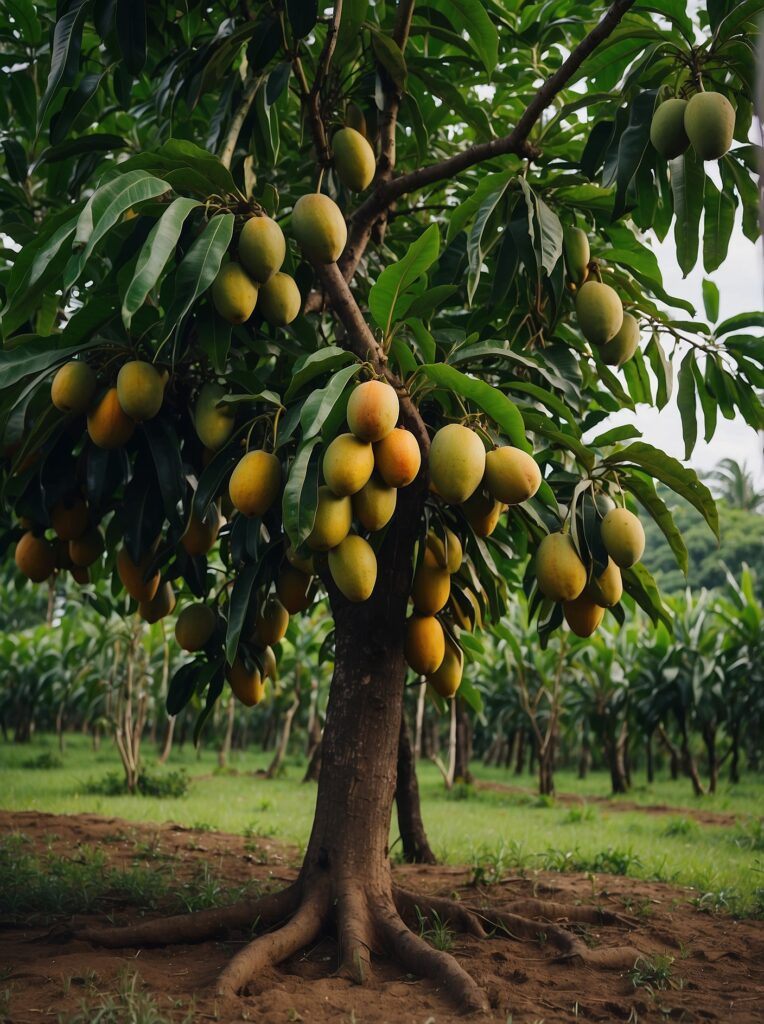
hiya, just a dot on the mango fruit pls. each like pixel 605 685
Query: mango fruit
pixel 108 425
pixel 431 588
pixel 133 575
pixel 269 664
pixel 447 552
pixel 255 483
pixel 457 462
pixel 709 120
pixel 622 347
pixel 447 679
pixel 279 300
pixel 373 410
pixel 347 464
pixel 319 227
pixel 200 534
pixel 234 293
pixel 353 566
pixel 194 626
pixel 582 615
pixel 74 387
pixel 397 458
pixel 599 312
pixel 511 475
pixel 303 564
pixel 374 504
pixel 84 551
pixel 262 248
pixel 575 243
pixel 271 622
pixel 667 132
pixel 140 390
pixel 424 646
pixel 606 589
pixel 80 574
pixel 560 573
pixel 35 557
pixel 482 511
pixel 70 518
pixel 334 516
pixel 213 422
pixel 160 605
pixel 623 536
pixel 354 159
pixel 294 589
pixel 246 683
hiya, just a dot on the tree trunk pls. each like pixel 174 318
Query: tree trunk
pixel 416 848
pixel 735 760
pixel 60 727
pixel 225 746
pixel 168 735
pixel 420 705
pixel 520 760
pixel 690 766
pixel 584 758
pixel 673 752
pixel 650 767
pixel 313 770
pixel 286 730
pixel 546 771
pixel 510 748
pixel 709 738
pixel 463 752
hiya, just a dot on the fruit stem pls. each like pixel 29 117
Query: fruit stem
pixel 276 427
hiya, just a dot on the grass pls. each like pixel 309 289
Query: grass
pixel 128 1004
pixel 496 832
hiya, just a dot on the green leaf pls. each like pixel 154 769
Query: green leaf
pixel 15 160
pixel 739 322
pixel 26 20
pixel 182 687
pixel 320 404
pixel 214 335
pixel 718 221
pixel 301 493
pixel 326 360
pixel 643 489
pixel 165 451
pixel 130 22
pixel 153 257
pixel 199 268
pixel 711 299
pixel 64 54
pixel 105 208
pixel 241 594
pixel 486 222
pixel 354 14
pixel 640 585
pixel 502 411
pixel 680 479
pixel 543 425
pixel 470 16
pixel 98 142
pixel 302 16
pixel 632 147
pixel 707 403
pixel 687 177
pixel 389 55
pixel 75 102
pixel 396 278
pixel 31 354
pixel 549 231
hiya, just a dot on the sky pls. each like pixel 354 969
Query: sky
pixel 741 289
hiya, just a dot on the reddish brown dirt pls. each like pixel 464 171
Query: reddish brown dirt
pixel 717 960
pixel 700 815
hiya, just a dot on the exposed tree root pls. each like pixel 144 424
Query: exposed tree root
pixel 204 924
pixel 367 923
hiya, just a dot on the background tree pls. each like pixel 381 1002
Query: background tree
pixel 450 288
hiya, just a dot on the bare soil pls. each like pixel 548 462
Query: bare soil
pixel 716 974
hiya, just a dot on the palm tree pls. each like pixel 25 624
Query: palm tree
pixel 735 485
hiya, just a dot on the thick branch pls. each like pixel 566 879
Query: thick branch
pixel 311 98
pixel 515 142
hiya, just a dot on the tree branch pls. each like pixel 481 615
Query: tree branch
pixel 237 123
pixel 311 98
pixel 515 142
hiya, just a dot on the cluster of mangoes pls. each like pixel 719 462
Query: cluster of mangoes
pixel 706 122
pixel 561 574
pixel 599 310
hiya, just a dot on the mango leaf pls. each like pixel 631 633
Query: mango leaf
pixel 640 585
pixel 687 177
pixel 320 404
pixel 199 268
pixel 396 278
pixel 64 54
pixel 326 360
pixel 670 471
pixel 302 16
pixel 214 672
pixel 76 100
pixel 632 146
pixel 718 221
pixel 131 33
pixel 685 400
pixel 501 409
pixel 104 209
pixel 711 299
pixel 301 493
pixel 485 224
pixel 389 55
pixel 241 594
pixel 31 354
pixel 643 489
pixel 470 16
pixel 97 142
pixel 153 256
pixel 182 687
pixel 165 451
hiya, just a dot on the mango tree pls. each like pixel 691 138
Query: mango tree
pixel 231 230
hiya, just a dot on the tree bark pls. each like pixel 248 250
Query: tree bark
pixel 690 766
pixel 463 753
pixel 709 738
pixel 416 848
pixel 286 731
pixel 650 767
pixel 673 752
pixel 520 759
pixel 225 746
pixel 168 735
pixel 735 760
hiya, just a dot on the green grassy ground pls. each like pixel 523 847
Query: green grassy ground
pixel 492 831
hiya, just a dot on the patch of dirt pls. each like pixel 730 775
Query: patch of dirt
pixel 716 969
pixel 703 817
